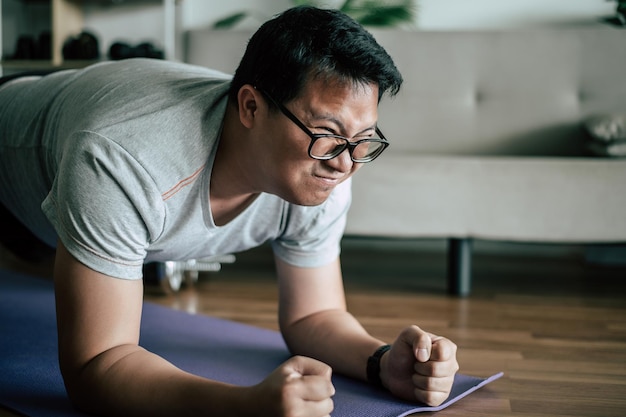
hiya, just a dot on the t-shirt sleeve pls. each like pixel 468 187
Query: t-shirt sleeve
pixel 312 235
pixel 104 206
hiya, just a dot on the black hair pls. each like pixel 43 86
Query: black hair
pixel 306 42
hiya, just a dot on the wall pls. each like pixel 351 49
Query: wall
pixel 498 14
pixel 199 13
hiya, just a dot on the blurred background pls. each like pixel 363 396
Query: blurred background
pixel 42 27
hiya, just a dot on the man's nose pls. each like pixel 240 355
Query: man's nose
pixel 342 162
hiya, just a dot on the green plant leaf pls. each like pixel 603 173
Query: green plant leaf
pixel 381 13
pixel 386 16
pixel 230 21
pixel 387 13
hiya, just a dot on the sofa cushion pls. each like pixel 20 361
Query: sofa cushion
pixel 607 135
pixel 613 149
pixel 607 128
pixel 516 199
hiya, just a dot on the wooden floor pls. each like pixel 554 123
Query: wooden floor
pixel 555 326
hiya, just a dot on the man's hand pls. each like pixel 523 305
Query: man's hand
pixel 300 387
pixel 420 366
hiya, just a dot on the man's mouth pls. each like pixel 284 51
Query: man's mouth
pixel 330 180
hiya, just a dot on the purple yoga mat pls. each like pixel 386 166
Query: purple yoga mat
pixel 30 380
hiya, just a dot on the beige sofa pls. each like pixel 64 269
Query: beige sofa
pixel 488 138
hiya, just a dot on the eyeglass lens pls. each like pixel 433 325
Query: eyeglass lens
pixel 327 147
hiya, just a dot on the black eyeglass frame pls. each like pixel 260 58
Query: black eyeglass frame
pixel 348 144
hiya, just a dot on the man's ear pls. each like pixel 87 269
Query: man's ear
pixel 248 104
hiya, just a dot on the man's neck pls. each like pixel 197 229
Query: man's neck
pixel 230 192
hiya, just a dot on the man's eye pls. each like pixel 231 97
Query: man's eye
pixel 366 135
pixel 324 130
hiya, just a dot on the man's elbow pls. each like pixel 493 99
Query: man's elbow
pixel 88 382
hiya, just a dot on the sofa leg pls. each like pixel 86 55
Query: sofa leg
pixel 459 266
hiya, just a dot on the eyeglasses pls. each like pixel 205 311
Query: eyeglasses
pixel 325 146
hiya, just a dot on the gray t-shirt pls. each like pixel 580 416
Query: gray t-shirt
pixel 116 161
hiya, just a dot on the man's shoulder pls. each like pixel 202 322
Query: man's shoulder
pixel 142 67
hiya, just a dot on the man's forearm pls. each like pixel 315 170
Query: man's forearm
pixel 131 381
pixel 334 337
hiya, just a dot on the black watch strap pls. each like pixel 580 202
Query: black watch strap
pixel 373 365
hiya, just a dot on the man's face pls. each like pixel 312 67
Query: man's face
pixel 323 107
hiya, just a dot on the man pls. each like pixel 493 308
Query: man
pixel 146 160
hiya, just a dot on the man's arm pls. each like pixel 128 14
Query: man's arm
pixel 420 366
pixel 315 322
pixel 106 372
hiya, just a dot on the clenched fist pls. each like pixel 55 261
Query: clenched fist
pixel 300 387
pixel 420 366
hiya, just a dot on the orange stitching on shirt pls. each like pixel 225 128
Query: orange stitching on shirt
pixel 181 184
